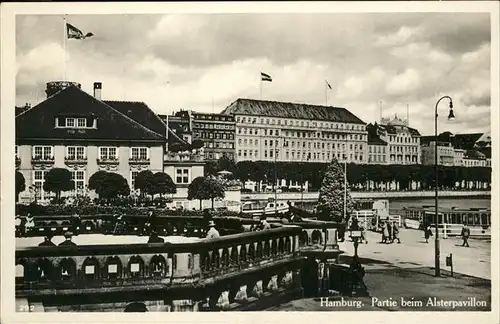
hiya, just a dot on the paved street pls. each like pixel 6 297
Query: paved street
pixel 413 252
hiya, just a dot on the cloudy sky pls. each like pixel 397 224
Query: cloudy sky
pixel 204 62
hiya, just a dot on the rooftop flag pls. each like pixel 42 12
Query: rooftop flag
pixel 76 33
pixel 265 77
pixel 328 85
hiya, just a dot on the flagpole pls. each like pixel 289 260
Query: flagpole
pixel 64 47
pixel 326 94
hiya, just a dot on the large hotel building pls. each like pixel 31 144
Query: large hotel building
pixel 282 131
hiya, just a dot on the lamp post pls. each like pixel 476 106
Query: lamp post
pixel 451 116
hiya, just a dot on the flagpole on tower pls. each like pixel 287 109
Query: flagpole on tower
pixel 64 47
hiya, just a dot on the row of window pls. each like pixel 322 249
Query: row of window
pixel 214 117
pixel 181 176
pixel 296 122
pixel 213 126
pixel 325 156
pixel 221 145
pixel 228 136
pixel 276 132
pixel 72 122
pixel 406 149
pixel 79 153
pixel 218 155
pixel 315 145
pixel 403 138
pixel 375 158
pixel 376 149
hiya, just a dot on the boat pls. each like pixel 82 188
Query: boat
pixel 259 208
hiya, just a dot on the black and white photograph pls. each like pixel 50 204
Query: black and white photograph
pixel 251 160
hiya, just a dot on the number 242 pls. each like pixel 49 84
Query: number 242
pixel 26 308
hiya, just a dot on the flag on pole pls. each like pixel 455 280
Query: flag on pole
pixel 265 77
pixel 328 85
pixel 76 33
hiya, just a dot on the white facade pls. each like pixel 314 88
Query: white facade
pixel 260 138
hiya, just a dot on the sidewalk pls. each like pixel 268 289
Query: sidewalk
pixel 413 252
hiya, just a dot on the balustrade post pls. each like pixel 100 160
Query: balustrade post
pixel 185 267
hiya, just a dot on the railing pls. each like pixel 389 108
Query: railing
pixel 454 230
pixel 131 225
pixel 107 268
pixel 139 161
pixel 42 159
pixel 108 161
pixel 181 157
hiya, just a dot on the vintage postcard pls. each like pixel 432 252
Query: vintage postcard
pixel 270 161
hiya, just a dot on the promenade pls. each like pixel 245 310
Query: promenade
pixel 413 252
pixel 397 272
pixel 313 196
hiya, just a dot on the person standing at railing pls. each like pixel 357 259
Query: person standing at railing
pixel 212 232
pixel 29 225
pixel 47 241
pixel 68 241
pixel 465 235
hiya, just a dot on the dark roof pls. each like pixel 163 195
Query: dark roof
pixel 141 113
pixel 291 110
pixel 373 136
pixel 466 141
pixel 475 154
pixel 393 129
pixel 39 121
pixel 20 110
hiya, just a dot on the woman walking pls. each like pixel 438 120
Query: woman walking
pixel 428 233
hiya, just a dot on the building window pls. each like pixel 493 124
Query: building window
pixel 239 152
pixel 78 178
pixel 256 153
pixel 182 176
pixel 38 181
pixel 108 153
pixel 133 175
pixel 42 152
pixel 75 152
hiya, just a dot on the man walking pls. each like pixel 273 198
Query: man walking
pixel 212 232
pixel 395 232
pixel 465 235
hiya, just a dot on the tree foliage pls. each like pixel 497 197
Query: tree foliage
pixel 163 184
pixel 95 181
pixel 112 186
pixel 359 174
pixel 144 181
pixel 20 184
pixel 331 195
pixel 58 180
pixel 194 191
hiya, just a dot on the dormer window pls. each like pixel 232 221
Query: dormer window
pixel 76 122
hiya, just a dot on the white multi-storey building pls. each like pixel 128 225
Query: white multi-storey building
pixel 282 131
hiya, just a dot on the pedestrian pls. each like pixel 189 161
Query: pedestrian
pixel 363 228
pixel 395 233
pixel 465 235
pixel 212 232
pixel 47 241
pixel 67 242
pixel 29 225
pixel 427 233
pixel 385 233
pixel 389 231
pixel 263 225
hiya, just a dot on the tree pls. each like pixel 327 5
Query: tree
pixel 163 184
pixel 20 184
pixel 194 191
pixel 58 180
pixel 331 195
pixel 144 181
pixel 112 186
pixel 95 181
pixel 226 164
pixel 212 188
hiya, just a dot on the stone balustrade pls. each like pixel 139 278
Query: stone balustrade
pixel 233 272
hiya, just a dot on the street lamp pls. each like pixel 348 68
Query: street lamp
pixel 451 116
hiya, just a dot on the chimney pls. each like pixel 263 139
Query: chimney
pixel 97 90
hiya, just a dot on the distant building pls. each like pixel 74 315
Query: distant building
pixel 180 124
pixel 283 131
pixel 467 150
pixel 377 147
pixel 217 131
pixel 403 141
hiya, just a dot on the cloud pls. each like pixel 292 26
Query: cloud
pixel 209 61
